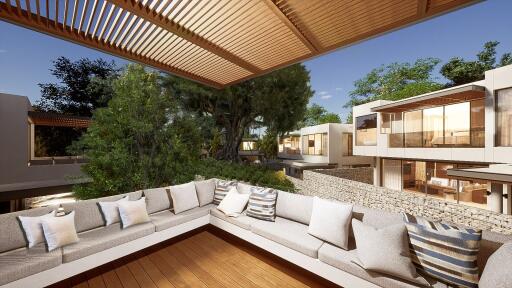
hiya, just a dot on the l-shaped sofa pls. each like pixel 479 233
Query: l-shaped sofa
pixel 287 238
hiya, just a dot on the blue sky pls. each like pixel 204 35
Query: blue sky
pixel 26 56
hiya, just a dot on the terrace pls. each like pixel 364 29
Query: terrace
pixel 440 218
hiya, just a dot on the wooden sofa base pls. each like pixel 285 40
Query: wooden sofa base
pixel 323 272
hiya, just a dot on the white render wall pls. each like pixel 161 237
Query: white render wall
pixel 494 80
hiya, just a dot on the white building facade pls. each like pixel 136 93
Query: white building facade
pixel 419 143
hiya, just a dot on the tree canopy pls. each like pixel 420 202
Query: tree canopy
pixel 277 101
pixel 460 71
pixel 316 115
pixel 141 140
pixel 84 86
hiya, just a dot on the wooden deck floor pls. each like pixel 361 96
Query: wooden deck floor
pixel 205 259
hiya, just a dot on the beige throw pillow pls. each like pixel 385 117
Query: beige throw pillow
pixel 133 212
pixel 330 221
pixel 59 231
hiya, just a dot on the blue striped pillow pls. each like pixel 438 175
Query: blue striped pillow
pixel 262 204
pixel 222 188
pixel 445 252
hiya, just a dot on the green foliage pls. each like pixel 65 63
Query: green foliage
pixel 140 140
pixel 276 100
pixel 316 115
pixel 460 71
pixel 268 145
pixel 256 175
pixel 85 85
pixel 394 82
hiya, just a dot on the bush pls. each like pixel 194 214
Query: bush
pixel 256 175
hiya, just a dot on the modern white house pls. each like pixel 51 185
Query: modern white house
pixel 322 146
pixel 444 144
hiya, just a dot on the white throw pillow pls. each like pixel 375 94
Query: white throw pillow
pixel 184 197
pixel 33 228
pixel 330 221
pixel 110 210
pixel 133 212
pixel 59 231
pixel 234 203
pixel 385 250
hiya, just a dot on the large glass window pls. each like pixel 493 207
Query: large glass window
pixel 457 124
pixel 504 117
pixel 385 123
pixel 413 128
pixel 315 144
pixel 433 127
pixel 347 144
pixel 366 130
pixel 396 138
pixel 478 123
pixel 289 145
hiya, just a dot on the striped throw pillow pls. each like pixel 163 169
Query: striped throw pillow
pixel 445 252
pixel 262 204
pixel 221 190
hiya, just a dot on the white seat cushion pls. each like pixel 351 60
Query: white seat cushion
pixel 291 234
pixel 242 221
pixel 167 219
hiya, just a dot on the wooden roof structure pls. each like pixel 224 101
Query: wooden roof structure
pixel 219 42
pixel 58 120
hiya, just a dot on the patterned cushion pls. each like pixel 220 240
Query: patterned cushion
pixel 446 252
pixel 221 190
pixel 262 203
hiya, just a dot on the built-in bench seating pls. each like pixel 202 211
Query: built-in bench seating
pixel 287 238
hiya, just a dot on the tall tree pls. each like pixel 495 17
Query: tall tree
pixel 316 115
pixel 140 140
pixel 276 101
pixel 394 82
pixel 460 71
pixel 84 86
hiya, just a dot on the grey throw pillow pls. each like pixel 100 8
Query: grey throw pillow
pixel 205 190
pixel 497 270
pixel 385 251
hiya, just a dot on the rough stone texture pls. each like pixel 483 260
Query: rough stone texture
pixel 360 174
pixel 331 187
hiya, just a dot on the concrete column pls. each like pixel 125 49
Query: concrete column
pixel 507 199
pixel 376 171
pixel 495 199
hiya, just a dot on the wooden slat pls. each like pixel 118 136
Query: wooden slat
pixel 136 9
pixel 422 7
pixel 91 18
pixel 84 13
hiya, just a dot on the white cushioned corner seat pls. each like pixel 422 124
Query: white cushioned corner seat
pixel 342 259
pixel 291 234
pixel 97 240
pixel 242 221
pixel 23 262
pixel 167 219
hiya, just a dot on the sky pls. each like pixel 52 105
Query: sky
pixel 26 56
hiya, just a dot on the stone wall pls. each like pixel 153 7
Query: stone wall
pixel 327 186
pixel 360 174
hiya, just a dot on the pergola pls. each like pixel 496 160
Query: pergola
pixel 219 42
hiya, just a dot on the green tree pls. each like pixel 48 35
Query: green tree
pixel 394 82
pixel 84 86
pixel 460 71
pixel 316 115
pixel 276 101
pixel 140 140
pixel 268 145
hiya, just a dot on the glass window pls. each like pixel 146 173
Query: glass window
pixel 347 147
pixel 433 127
pixel 366 130
pixel 504 117
pixel 248 145
pixel 385 123
pixel 53 141
pixel 472 192
pixel 414 176
pixel 478 123
pixel 315 144
pixel 457 124
pixel 396 138
pixel 412 128
pixel 289 145
pixel 438 183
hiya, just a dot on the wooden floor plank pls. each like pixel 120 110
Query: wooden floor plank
pixel 203 260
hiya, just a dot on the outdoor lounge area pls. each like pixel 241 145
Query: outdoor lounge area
pixel 297 229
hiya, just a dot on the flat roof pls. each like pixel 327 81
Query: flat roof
pixel 220 42
pixel 496 173
pixel 441 97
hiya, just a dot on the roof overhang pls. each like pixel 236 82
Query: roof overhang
pixel 220 42
pixel 58 120
pixel 442 97
pixel 501 173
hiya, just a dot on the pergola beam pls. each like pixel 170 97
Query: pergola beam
pixel 312 45
pixel 159 20
pixel 423 7
pixel 63 31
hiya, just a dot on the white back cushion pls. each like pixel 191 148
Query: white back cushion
pixel 330 221
pixel 205 190
pixel 295 207
pixel 59 231
pixel 110 210
pixel 133 212
pixel 184 197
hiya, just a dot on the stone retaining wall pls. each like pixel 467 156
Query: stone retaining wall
pixel 331 187
pixel 360 174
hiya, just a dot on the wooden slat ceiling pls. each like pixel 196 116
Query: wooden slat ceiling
pixel 219 42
